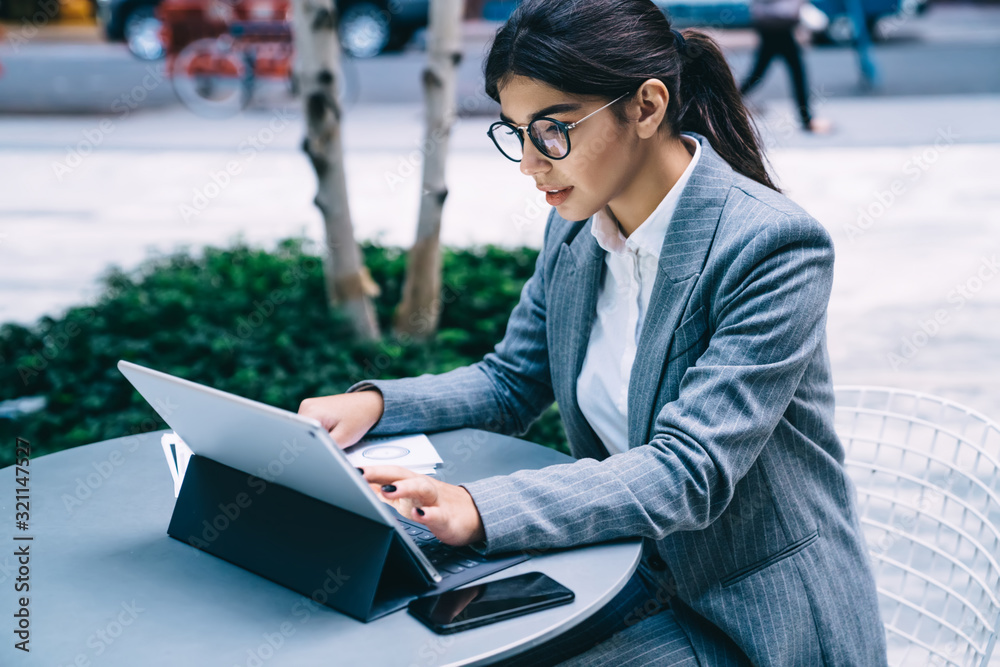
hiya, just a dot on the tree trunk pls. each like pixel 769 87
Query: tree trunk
pixel 419 311
pixel 317 49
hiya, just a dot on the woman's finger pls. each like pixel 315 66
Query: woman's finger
pixel 420 490
pixel 387 474
pixel 430 516
pixel 402 505
pixel 436 519
pixel 343 434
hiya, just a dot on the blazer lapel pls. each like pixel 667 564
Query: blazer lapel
pixel 573 291
pixel 682 256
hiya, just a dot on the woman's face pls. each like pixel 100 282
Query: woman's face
pixel 600 161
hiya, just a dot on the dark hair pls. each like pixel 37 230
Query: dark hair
pixel 609 48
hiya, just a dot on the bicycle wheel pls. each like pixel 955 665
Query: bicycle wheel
pixel 212 77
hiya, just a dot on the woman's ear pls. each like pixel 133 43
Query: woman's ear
pixel 649 107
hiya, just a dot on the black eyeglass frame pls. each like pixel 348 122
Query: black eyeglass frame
pixel 564 129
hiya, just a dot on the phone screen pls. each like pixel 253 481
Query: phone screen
pixel 478 605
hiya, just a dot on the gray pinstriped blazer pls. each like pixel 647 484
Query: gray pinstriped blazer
pixel 734 473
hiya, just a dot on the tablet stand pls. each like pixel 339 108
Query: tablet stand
pixel 337 558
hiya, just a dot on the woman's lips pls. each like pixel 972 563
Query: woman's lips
pixel 557 198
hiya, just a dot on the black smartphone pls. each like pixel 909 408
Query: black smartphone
pixel 482 604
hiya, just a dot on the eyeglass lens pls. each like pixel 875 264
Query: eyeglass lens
pixel 545 133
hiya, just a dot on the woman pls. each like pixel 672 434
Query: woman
pixel 677 314
pixel 775 22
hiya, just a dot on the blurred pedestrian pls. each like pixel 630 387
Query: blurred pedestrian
pixel 862 44
pixel 775 22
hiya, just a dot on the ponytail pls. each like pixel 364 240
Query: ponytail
pixel 711 105
pixel 608 48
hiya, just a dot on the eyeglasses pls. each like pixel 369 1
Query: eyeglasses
pixel 550 136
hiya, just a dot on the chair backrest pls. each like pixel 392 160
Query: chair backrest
pixel 927 473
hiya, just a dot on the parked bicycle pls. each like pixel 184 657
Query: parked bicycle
pixel 219 53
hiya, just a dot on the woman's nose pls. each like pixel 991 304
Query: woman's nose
pixel 532 161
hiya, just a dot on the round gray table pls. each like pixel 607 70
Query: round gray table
pixel 110 587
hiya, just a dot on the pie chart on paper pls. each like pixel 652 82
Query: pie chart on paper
pixel 385 452
pixel 415 452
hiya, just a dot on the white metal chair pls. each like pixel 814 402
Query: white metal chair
pixel 927 472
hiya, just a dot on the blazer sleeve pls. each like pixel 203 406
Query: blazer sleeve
pixel 769 310
pixel 505 392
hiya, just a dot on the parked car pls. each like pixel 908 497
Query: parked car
pixel 736 14
pixel 367 27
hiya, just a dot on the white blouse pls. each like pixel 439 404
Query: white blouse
pixel 602 387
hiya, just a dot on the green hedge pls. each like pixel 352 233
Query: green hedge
pixel 247 321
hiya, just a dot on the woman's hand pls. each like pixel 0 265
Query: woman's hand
pixel 346 416
pixel 446 510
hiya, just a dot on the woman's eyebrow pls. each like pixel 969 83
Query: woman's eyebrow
pixel 547 111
